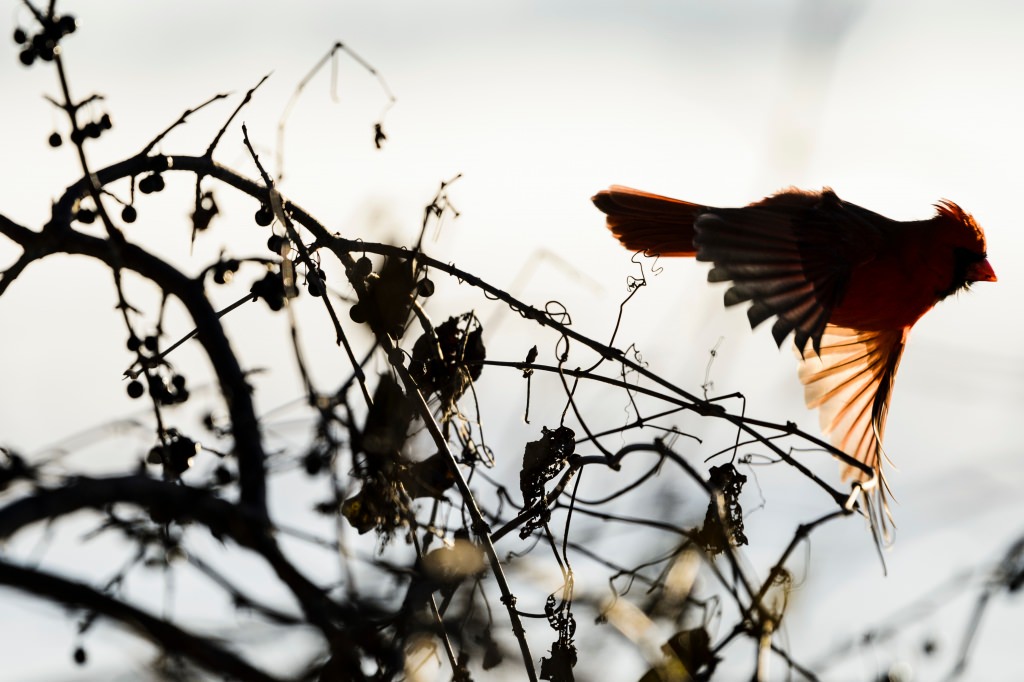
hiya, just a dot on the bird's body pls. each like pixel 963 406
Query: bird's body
pixel 845 281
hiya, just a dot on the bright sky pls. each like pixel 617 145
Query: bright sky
pixel 539 105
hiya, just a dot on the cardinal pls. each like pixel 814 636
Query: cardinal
pixel 846 282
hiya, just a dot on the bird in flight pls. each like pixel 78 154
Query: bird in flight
pixel 846 282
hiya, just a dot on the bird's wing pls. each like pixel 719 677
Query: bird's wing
pixel 791 255
pixel 850 381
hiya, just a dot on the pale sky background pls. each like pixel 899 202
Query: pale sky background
pixel 539 105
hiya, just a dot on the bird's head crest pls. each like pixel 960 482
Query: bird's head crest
pixel 964 230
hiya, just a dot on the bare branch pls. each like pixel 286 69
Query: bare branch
pixel 200 649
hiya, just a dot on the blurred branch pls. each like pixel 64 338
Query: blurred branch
pixel 200 649
pixel 223 519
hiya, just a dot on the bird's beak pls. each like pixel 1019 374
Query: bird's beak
pixel 981 272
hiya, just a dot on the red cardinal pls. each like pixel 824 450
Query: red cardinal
pixel 848 281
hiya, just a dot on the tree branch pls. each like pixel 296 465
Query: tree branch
pixel 201 650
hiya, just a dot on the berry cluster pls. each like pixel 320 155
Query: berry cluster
pixel 175 454
pixel 152 183
pixel 361 270
pixel 165 386
pixel 91 130
pixel 167 391
pixel 150 343
pixel 45 44
pixel 271 290
pixel 87 215
pixel 316 283
pixel 389 294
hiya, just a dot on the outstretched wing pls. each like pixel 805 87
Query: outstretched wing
pixel 850 381
pixel 791 255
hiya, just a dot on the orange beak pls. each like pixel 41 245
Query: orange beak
pixel 981 272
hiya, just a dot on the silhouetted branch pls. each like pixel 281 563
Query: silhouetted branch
pixel 200 649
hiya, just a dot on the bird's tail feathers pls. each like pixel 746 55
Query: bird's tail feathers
pixel 651 223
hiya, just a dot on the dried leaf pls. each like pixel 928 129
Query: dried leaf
pixel 542 460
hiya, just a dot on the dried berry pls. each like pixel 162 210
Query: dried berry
pixel 85 215
pixel 129 214
pixel 358 313
pixel 276 243
pixel 264 216
pixel 164 395
pixel 224 271
pixel 425 288
pixel 135 389
pixel 315 284
pixel 312 462
pixel 20 36
pixel 223 475
pixel 67 24
pixel 157 389
pixel 55 140
pixel 176 456
pixel 47 51
pixel 363 267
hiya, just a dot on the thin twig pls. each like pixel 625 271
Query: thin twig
pixel 241 105
pixel 305 81
pixel 181 120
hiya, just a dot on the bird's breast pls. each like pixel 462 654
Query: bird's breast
pixel 886 293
